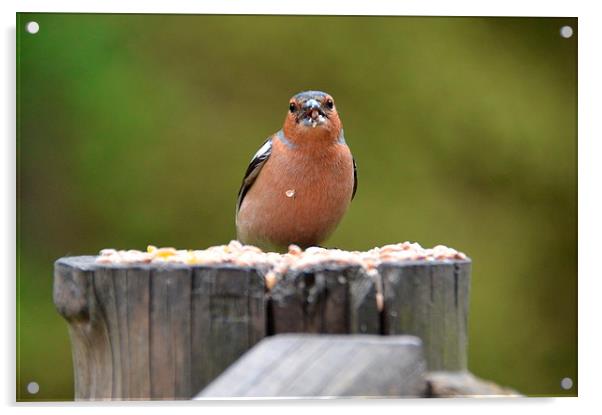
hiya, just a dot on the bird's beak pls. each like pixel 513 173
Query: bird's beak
pixel 311 104
pixel 312 110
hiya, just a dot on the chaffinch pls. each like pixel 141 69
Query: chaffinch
pixel 301 181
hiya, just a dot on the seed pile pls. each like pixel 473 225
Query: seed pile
pixel 277 264
pixel 236 253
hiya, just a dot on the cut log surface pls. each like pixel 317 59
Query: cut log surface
pixel 156 331
pixel 290 365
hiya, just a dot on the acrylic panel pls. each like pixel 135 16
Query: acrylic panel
pixel 136 130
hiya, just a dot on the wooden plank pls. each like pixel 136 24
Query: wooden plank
pixel 170 351
pixel 119 286
pixel 464 384
pixel 364 316
pixel 321 371
pixel 107 316
pixel 330 299
pixel 462 273
pixel 287 306
pixel 257 368
pixel 228 317
pixel 270 380
pixel 429 301
pixel 293 365
pixel 137 306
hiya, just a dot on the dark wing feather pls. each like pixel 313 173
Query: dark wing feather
pixel 354 179
pixel 253 170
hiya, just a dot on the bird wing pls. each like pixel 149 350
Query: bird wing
pixel 342 141
pixel 354 179
pixel 253 170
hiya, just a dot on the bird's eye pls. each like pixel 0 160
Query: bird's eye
pixel 292 107
pixel 330 104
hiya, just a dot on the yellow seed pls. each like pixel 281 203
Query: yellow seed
pixel 165 252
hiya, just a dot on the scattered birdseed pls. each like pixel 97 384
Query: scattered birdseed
pixel 277 264
pixel 236 253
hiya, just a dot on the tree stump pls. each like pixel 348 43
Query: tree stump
pixel 164 331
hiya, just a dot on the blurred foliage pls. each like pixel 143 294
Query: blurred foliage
pixel 136 129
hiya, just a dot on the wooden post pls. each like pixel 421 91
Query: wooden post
pixel 164 331
pixel 430 300
pixel 152 331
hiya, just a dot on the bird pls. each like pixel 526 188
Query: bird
pixel 301 181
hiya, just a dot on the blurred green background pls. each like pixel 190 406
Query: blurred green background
pixel 137 129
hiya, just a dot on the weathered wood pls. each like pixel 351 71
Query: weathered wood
pixel 229 315
pixel 155 331
pixel 330 299
pixel 75 299
pixel 170 332
pixel 166 331
pixel 463 384
pixel 293 365
pixel 429 300
pixel 138 323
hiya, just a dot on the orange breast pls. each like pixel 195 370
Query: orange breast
pixel 299 197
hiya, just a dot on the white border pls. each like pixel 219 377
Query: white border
pixel 371 7
pixel 590 206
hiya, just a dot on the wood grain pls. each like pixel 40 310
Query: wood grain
pixel 229 316
pixel 464 384
pixel 304 365
pixel 329 299
pixel 430 302
pixel 155 332
pixel 167 331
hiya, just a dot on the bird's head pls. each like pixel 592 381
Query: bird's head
pixel 312 113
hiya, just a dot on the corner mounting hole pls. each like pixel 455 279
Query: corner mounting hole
pixel 566 383
pixel 566 32
pixel 32 27
pixel 33 388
